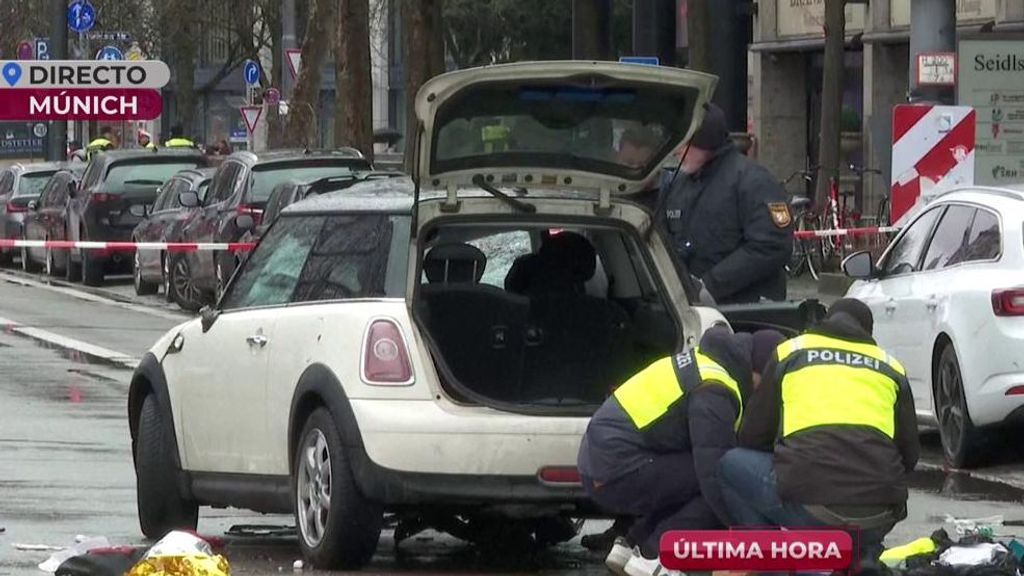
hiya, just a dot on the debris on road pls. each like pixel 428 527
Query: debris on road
pixel 983 526
pixel 254 530
pixel 980 554
pixel 181 554
pixel 83 544
pixel 36 547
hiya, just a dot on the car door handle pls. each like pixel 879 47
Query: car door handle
pixel 890 306
pixel 932 303
pixel 257 340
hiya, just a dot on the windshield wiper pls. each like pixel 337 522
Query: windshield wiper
pixel 517 204
pixel 144 182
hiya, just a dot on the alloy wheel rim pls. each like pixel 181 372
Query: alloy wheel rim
pixel 183 281
pixel 951 416
pixel 313 490
pixel 49 262
pixel 24 258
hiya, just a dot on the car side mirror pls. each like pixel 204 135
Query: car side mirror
pixel 208 315
pixel 860 265
pixel 245 222
pixel 33 205
pixel 72 190
pixel 189 199
pixel 137 210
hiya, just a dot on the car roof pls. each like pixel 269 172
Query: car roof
pixel 196 173
pixel 114 155
pixel 39 167
pixel 1010 196
pixel 290 154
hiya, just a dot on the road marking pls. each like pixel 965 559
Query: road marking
pixel 104 354
pixel 94 298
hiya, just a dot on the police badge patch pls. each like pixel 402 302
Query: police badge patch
pixel 780 214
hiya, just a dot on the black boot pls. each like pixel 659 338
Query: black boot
pixel 603 542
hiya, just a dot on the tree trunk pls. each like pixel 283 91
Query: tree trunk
pixel 186 29
pixel 831 97
pixel 275 122
pixel 698 35
pixel 424 58
pixel 591 29
pixel 353 108
pixel 302 119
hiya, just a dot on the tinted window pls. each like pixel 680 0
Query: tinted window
pixel 271 273
pixel 6 182
pixel 983 242
pixel 201 191
pixel 51 196
pixel 32 184
pixel 905 254
pixel 122 176
pixel 223 184
pixel 265 178
pixel 351 259
pixel 163 199
pixel 946 247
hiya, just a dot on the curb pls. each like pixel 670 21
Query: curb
pixel 65 284
pixel 95 353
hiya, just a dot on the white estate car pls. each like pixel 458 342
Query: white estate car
pixel 436 349
pixel 948 301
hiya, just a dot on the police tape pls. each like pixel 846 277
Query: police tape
pixel 869 231
pixel 128 246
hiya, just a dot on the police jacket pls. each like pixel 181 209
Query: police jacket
pixel 179 143
pixel 839 414
pixel 730 225
pixel 701 420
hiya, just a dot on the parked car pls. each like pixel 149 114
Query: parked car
pixel 241 187
pixel 116 191
pixel 19 185
pixel 46 219
pixel 948 300
pixel 177 201
pixel 435 347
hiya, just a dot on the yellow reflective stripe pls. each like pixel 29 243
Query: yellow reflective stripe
pixel 648 395
pixel 834 394
pixel 818 341
pixel 711 370
pixel 789 347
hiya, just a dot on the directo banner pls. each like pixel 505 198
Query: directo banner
pixel 757 550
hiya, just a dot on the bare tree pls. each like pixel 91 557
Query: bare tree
pixel 180 21
pixel 302 121
pixel 353 108
pixel 424 58
pixel 698 34
pixel 831 96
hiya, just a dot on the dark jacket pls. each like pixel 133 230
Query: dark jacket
pixel 730 225
pixel 703 425
pixel 842 465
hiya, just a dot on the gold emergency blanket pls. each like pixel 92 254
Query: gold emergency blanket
pixel 193 565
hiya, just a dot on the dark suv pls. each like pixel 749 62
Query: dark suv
pixel 117 190
pixel 240 188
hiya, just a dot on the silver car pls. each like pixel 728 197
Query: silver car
pixel 19 185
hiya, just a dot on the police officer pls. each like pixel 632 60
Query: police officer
pixel 145 140
pixel 728 219
pixel 652 449
pixel 178 139
pixel 839 415
pixel 105 141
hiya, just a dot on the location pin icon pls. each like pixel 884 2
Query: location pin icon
pixel 12 73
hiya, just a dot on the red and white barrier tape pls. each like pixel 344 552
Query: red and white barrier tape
pixel 128 246
pixel 805 234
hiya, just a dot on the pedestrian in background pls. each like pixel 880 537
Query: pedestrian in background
pixel 145 139
pixel 105 141
pixel 829 437
pixel 178 140
pixel 728 219
pixel 652 449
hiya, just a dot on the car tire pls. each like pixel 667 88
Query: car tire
pixel 92 269
pixel 27 264
pixel 341 533
pixel 6 257
pixel 161 506
pixel 960 439
pixel 73 270
pixel 142 287
pixel 51 267
pixel 183 290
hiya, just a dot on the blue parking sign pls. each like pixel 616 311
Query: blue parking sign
pixel 42 48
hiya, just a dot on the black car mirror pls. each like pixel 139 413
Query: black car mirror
pixel 137 210
pixel 245 222
pixel 189 199
pixel 859 265
pixel 208 315
pixel 33 205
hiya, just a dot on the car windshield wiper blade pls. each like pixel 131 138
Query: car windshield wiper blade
pixel 517 204
pixel 144 182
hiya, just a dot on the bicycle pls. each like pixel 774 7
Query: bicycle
pixel 806 254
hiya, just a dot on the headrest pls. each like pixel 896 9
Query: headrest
pixel 454 263
pixel 520 273
pixel 569 253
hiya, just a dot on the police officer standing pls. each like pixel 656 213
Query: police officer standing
pixel 728 219
pixel 652 449
pixel 838 413
pixel 178 139
pixel 105 141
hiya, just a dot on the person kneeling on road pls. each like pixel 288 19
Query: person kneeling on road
pixel 652 449
pixel 838 413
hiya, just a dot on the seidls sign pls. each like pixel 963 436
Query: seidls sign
pixel 81 90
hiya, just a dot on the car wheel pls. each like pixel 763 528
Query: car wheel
pixel 27 264
pixel 338 527
pixel 183 289
pixel 142 287
pixel 161 506
pixel 51 264
pixel 92 269
pixel 960 439
pixel 73 270
pixel 6 257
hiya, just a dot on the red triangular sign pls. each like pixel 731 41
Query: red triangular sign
pixel 251 115
pixel 294 57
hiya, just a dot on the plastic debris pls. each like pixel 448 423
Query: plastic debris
pixel 976 555
pixel 982 526
pixel 297 565
pixel 181 554
pixel 82 545
pixel 893 557
pixel 36 547
pixel 254 530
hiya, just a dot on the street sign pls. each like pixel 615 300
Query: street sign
pixel 251 72
pixel 294 60
pixel 25 51
pixel 81 15
pixel 936 69
pixel 108 36
pixel 251 115
pixel 110 53
pixel 42 48
pixel 272 96
pixel 644 60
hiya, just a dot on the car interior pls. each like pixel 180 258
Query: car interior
pixel 529 315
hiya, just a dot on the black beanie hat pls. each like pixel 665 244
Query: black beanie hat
pixel 713 131
pixel 855 309
pixel 764 344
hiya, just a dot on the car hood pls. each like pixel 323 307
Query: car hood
pixel 595 125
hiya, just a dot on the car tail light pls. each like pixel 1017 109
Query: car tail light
pixel 385 356
pixel 13 208
pixel 101 197
pixel 1008 302
pixel 1015 391
pixel 256 213
pixel 566 475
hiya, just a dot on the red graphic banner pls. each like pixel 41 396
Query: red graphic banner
pixel 757 550
pixel 80 104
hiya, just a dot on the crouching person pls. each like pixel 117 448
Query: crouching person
pixel 652 449
pixel 828 438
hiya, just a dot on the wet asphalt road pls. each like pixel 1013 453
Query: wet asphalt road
pixel 65 462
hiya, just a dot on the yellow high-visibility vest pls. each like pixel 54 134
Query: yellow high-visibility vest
pixel 97 144
pixel 179 143
pixel 652 392
pixel 833 382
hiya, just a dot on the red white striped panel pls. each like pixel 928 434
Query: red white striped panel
pixel 128 246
